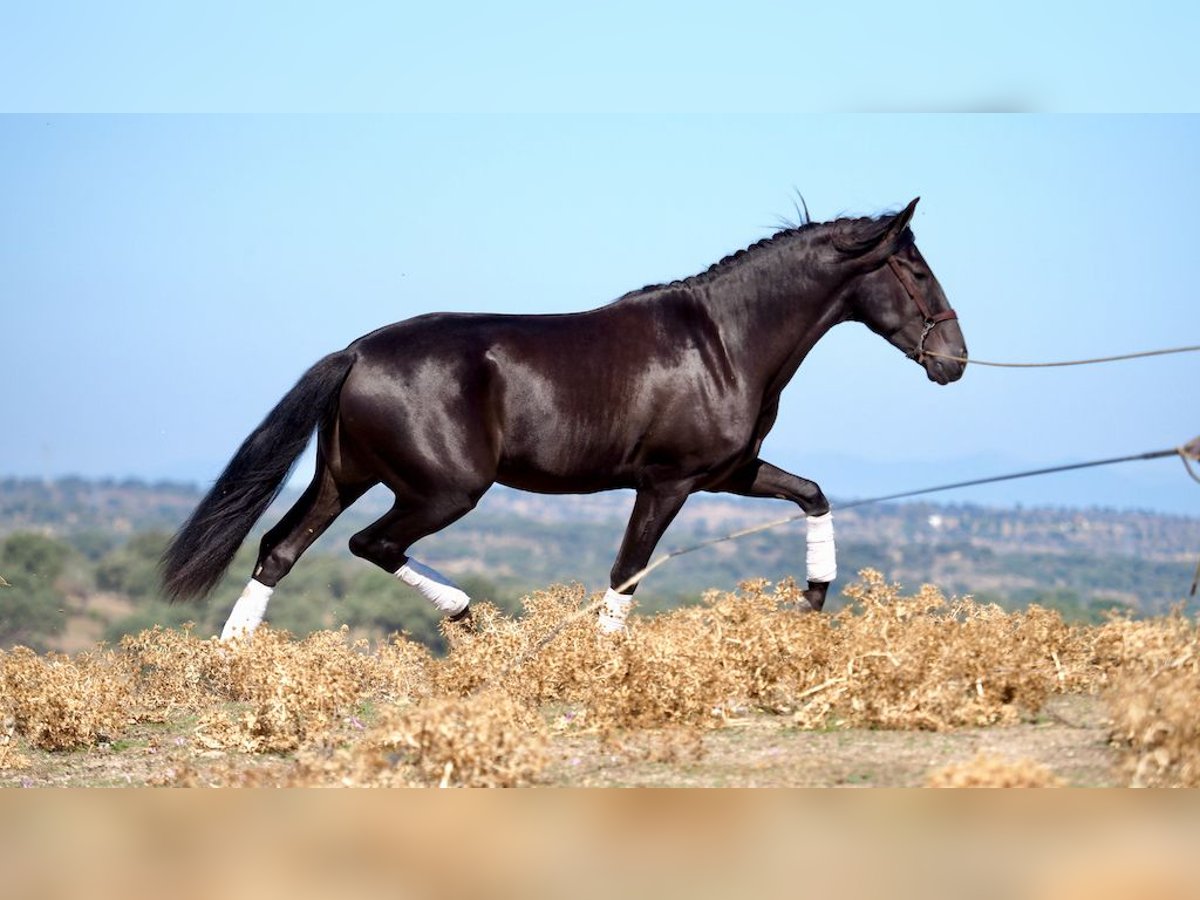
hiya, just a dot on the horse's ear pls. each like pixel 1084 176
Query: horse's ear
pixel 887 244
pixel 903 218
pixel 878 241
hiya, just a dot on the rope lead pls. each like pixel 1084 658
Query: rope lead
pixel 1069 362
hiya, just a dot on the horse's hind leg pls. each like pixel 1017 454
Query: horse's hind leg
pixel 322 502
pixel 761 479
pixel 385 543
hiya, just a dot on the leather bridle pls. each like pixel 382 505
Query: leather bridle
pixel 931 318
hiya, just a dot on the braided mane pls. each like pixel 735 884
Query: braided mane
pixel 849 235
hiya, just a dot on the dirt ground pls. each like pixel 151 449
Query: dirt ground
pixel 1069 737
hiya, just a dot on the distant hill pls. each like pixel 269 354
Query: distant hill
pixel 67 506
pixel 1083 558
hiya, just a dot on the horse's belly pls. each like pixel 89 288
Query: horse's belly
pixel 558 468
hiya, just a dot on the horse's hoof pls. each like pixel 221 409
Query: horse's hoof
pixel 462 622
pixel 814 600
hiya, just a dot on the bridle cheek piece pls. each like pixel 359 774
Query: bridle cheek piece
pixel 931 318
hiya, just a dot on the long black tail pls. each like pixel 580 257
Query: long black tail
pixel 203 548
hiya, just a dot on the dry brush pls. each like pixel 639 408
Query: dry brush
pixel 334 711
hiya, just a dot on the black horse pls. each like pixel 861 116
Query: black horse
pixel 668 390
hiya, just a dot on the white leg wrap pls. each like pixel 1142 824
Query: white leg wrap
pixel 615 611
pixel 248 612
pixel 822 555
pixel 434 586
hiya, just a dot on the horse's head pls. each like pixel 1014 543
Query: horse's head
pixel 894 293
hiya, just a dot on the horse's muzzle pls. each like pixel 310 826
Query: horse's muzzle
pixel 943 371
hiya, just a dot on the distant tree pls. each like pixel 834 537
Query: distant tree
pixel 93 543
pixel 379 602
pixel 31 607
pixel 33 557
pixel 1069 603
pixel 132 570
pixel 482 588
pixel 156 612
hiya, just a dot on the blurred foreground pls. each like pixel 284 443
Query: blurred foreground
pixel 1028 845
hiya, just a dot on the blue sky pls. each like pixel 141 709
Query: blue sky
pixel 166 278
pixel 764 56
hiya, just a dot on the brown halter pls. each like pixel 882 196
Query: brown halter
pixel 931 318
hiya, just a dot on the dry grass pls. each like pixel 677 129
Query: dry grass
pixel 343 713
pixel 887 661
pixel 990 771
pixel 488 740
pixel 10 757
pixel 1154 698
pixel 62 703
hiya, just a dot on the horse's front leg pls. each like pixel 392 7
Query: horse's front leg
pixel 761 479
pixel 653 511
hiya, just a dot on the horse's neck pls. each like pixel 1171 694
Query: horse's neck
pixel 769 322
